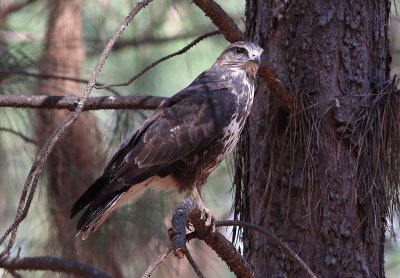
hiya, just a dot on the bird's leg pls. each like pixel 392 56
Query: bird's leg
pixel 205 212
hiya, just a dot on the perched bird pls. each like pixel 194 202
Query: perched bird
pixel 184 140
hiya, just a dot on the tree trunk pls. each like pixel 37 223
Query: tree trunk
pixel 72 160
pixel 312 171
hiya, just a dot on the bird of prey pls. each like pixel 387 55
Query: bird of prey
pixel 184 140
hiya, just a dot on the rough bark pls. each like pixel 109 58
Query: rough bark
pixel 308 171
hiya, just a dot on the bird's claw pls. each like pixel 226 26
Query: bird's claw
pixel 189 225
pixel 206 214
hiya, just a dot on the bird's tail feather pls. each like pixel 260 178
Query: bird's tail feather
pixel 91 220
pixel 89 195
pixel 98 211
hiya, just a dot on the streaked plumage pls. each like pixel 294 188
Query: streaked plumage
pixel 182 142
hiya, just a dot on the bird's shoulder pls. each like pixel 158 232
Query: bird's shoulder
pixel 187 121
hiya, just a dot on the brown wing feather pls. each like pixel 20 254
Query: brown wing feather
pixel 187 126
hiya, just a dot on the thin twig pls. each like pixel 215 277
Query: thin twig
pixel 160 258
pixel 52 76
pixel 37 167
pixel 151 39
pixel 51 264
pixel 273 237
pixel 70 103
pixel 19 134
pixel 192 262
pixel 221 19
pixel 147 68
pixel 13 7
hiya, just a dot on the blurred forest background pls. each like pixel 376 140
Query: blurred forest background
pixel 65 38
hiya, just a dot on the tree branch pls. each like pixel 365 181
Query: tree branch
pixel 52 264
pixel 13 7
pixel 51 76
pixel 271 236
pixel 37 167
pixel 70 103
pixel 220 19
pixel 277 87
pixel 192 263
pixel 232 33
pixel 160 258
pixel 19 134
pixel 151 39
pixel 147 68
pixel 188 210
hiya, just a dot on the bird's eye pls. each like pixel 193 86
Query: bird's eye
pixel 239 50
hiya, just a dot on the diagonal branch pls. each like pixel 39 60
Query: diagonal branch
pixel 37 167
pixel 232 33
pixel 143 71
pixel 278 88
pixel 188 210
pixel 9 8
pixel 70 103
pixel 160 258
pixel 52 264
pixel 271 236
pixel 220 19
pixel 192 262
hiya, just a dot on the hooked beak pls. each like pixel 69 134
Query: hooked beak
pixel 256 56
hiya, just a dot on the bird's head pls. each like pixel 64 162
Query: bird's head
pixel 241 55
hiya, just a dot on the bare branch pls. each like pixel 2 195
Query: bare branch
pixel 220 19
pixel 160 258
pixel 277 87
pixel 70 103
pixel 37 167
pixel 143 71
pixel 271 236
pixel 51 264
pixel 192 262
pixel 51 76
pixel 151 39
pixel 13 7
pixel 19 134
pixel 188 210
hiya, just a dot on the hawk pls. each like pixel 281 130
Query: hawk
pixel 184 140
